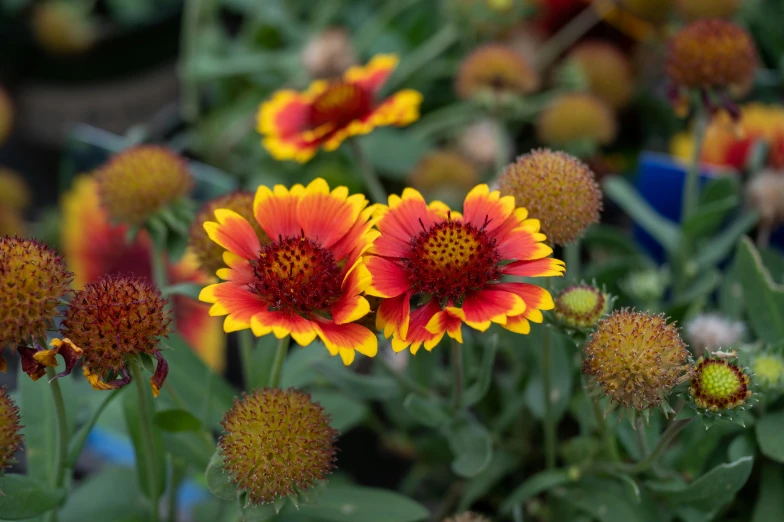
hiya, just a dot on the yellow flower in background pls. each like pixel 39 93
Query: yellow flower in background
pixel 444 175
pixel 64 27
pixel 497 70
pixel 607 70
pixel 294 125
pixel 576 117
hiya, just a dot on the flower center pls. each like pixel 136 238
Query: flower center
pixel 769 368
pixel 339 104
pixel 451 258
pixel 296 274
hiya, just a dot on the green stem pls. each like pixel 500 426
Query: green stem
pixel 61 450
pixel 277 364
pixel 640 436
pixel 566 37
pixel 609 441
pixel 77 444
pixel 189 106
pixel 667 437
pixel 148 442
pixel 572 254
pixel 177 474
pixel 245 340
pixel 404 382
pixel 690 184
pixel 369 176
pixel 547 393
pixel 457 367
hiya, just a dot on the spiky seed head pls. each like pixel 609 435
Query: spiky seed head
pixel 275 443
pixel 6 115
pixel 557 189
pixel 495 69
pixel 208 252
pixel 711 53
pixel 140 181
pixel 636 358
pixel 33 281
pixel 581 306
pixel 114 318
pixel 576 117
pixel 719 384
pixel 694 9
pixel 607 70
pixel 329 53
pixel 10 430
pixel 444 174
pixel 468 516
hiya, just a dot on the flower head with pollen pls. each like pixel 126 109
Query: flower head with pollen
pixel 33 281
pixel 307 280
pixel 558 189
pixel 276 443
pixel 607 70
pixel 139 182
pixel 437 269
pixel 711 53
pixel 6 115
pixel 294 125
pixel 495 69
pixel 468 516
pixel 574 118
pixel 719 384
pixel 113 319
pixel 10 430
pixel 581 306
pixel 208 252
pixel 636 358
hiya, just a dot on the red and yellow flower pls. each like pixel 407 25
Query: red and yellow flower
pixel 296 124
pixel 93 247
pixel 437 269
pixel 307 281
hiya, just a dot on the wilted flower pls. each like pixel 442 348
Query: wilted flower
pixel 719 384
pixel 636 358
pixel 574 118
pixel 138 182
pixel 708 332
pixel 483 143
pixel 63 27
pixel 607 70
pixel 94 248
pixel 276 443
pixel 33 281
pixel 112 320
pixel 10 430
pixel 445 175
pixel 6 115
pixel 711 53
pixel 307 281
pixel 495 70
pixel 558 189
pixel 329 53
pixel 694 9
pixel 208 252
pixel 581 306
pixel 468 516
pixel 765 194
pixel 437 270
pixel 295 124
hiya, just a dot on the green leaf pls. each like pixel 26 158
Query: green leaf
pixel 394 152
pixel 718 189
pixel 764 298
pixel 770 501
pixel 177 420
pixel 24 497
pixel 720 246
pixel 769 431
pixel 608 501
pixel 539 483
pixel 477 391
pixel 625 196
pixel 261 513
pixel 191 290
pixel 472 446
pixel 131 411
pixel 706 282
pixel 709 218
pixel 612 238
pixel 742 446
pixel 500 466
pixel 298 370
pixel 356 385
pixel 719 484
pixel 80 437
pixel 562 379
pixel 218 481
pixel 192 447
pixel 345 412
pixel 358 504
pixel 110 494
pixel 426 410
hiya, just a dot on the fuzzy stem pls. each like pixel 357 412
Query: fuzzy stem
pixel 245 340
pixel 664 442
pixel 607 436
pixel 148 442
pixel 547 392
pixel 277 364
pixel 690 184
pixel 61 449
pixel 369 176
pixel 457 367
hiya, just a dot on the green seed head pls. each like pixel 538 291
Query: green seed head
pixel 580 306
pixel 718 384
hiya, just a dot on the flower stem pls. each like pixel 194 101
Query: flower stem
pixel 277 364
pixel 609 441
pixel 404 382
pixel 567 36
pixel 572 255
pixel 369 176
pixel 547 393
pixel 245 340
pixel 690 185
pixel 61 449
pixel 664 442
pixel 145 418
pixel 457 367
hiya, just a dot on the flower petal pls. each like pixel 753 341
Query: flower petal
pixel 30 365
pixel 283 120
pixel 282 324
pixel 276 210
pixel 233 233
pixel 352 306
pixel 346 337
pixel 328 216
pixel 66 349
pixel 418 334
pixel 534 296
pixel 444 321
pixel 481 307
pixel 393 315
pixel 389 278
pixel 545 267
pixel 372 76
pixel 522 245
pixel 161 371
pixel 406 216
pixel 235 302
pixel 485 209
